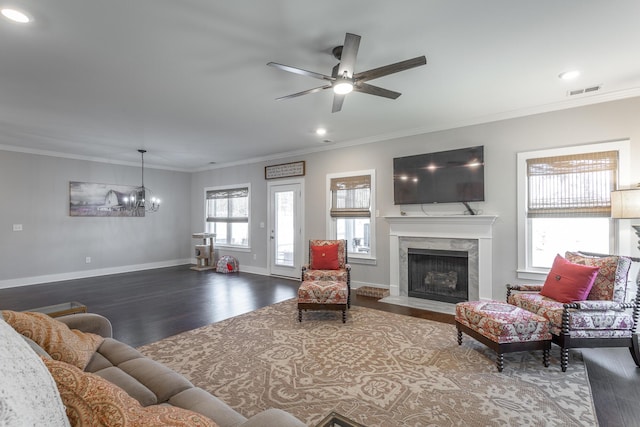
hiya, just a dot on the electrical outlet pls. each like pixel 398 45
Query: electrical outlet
pixel 17 227
pixel 255 257
pixel 87 260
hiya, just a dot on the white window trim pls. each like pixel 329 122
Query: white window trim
pixel 623 147
pixel 369 258
pixel 238 248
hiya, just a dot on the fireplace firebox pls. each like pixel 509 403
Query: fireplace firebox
pixel 439 275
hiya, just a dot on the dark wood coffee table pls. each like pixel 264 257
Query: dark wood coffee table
pixel 336 420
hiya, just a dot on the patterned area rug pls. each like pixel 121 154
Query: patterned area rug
pixel 380 369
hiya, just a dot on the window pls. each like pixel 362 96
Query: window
pixel 227 215
pixel 351 201
pixel 564 197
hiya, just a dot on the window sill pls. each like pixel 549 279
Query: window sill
pixel 538 276
pixel 363 261
pixel 233 248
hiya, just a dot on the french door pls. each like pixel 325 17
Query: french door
pixel 285 228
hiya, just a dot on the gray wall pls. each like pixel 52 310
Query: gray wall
pixel 53 245
pixel 502 141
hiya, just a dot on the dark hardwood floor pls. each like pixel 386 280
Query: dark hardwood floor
pixel 150 305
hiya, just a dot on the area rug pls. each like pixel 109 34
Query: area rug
pixel 378 368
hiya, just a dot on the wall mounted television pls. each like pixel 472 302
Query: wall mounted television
pixel 454 176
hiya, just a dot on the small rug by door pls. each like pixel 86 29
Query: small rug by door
pixel 380 369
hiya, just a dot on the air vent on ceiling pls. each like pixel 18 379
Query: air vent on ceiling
pixel 584 90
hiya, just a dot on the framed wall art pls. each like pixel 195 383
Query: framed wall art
pixel 284 170
pixel 92 199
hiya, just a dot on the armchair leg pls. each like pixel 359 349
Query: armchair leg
pixel 300 316
pixel 545 357
pixel 564 358
pixel 635 349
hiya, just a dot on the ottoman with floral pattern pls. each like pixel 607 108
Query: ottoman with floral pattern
pixel 323 295
pixel 503 328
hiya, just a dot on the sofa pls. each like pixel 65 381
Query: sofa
pixel 82 361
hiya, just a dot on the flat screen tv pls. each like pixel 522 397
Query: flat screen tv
pixel 443 177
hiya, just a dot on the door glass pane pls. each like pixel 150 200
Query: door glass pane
pixel 284 228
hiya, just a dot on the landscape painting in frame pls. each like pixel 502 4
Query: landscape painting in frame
pixel 92 199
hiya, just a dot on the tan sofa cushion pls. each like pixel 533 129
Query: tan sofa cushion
pixel 146 380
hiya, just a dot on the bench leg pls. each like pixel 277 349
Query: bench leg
pixel 500 362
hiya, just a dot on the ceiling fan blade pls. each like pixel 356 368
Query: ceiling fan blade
pixel 300 71
pixel 338 100
pixel 304 92
pixel 375 90
pixel 390 69
pixel 349 54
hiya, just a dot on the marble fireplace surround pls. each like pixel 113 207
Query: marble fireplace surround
pixel 470 233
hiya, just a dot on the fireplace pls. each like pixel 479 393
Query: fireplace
pixel 469 234
pixel 439 275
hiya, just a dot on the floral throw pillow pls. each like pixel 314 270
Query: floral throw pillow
pixel 611 282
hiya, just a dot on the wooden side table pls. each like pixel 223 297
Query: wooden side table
pixel 62 309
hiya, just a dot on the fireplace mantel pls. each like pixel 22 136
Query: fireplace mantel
pixel 467 227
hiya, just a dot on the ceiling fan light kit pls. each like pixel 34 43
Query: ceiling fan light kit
pixel 343 87
pixel 344 79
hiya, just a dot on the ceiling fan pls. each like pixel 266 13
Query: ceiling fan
pixel 344 79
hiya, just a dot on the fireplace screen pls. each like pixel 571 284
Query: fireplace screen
pixel 439 275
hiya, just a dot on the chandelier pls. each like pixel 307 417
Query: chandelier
pixel 142 199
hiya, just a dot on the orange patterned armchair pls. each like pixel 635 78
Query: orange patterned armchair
pixel 607 317
pixel 326 280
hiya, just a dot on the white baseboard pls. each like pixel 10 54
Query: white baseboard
pixel 25 281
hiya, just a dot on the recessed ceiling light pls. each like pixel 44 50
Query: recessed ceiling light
pixel 321 131
pixel 15 15
pixel 569 75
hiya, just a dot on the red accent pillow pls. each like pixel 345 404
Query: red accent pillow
pixel 325 257
pixel 568 282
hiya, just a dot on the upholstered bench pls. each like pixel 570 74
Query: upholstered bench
pixel 504 328
pixel 323 295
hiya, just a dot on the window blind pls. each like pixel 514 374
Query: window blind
pixel 228 205
pixel 577 185
pixel 351 196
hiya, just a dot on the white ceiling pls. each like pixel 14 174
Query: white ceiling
pixel 187 80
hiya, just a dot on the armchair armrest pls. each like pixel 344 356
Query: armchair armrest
pixel 601 305
pixel 88 322
pixel 524 287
